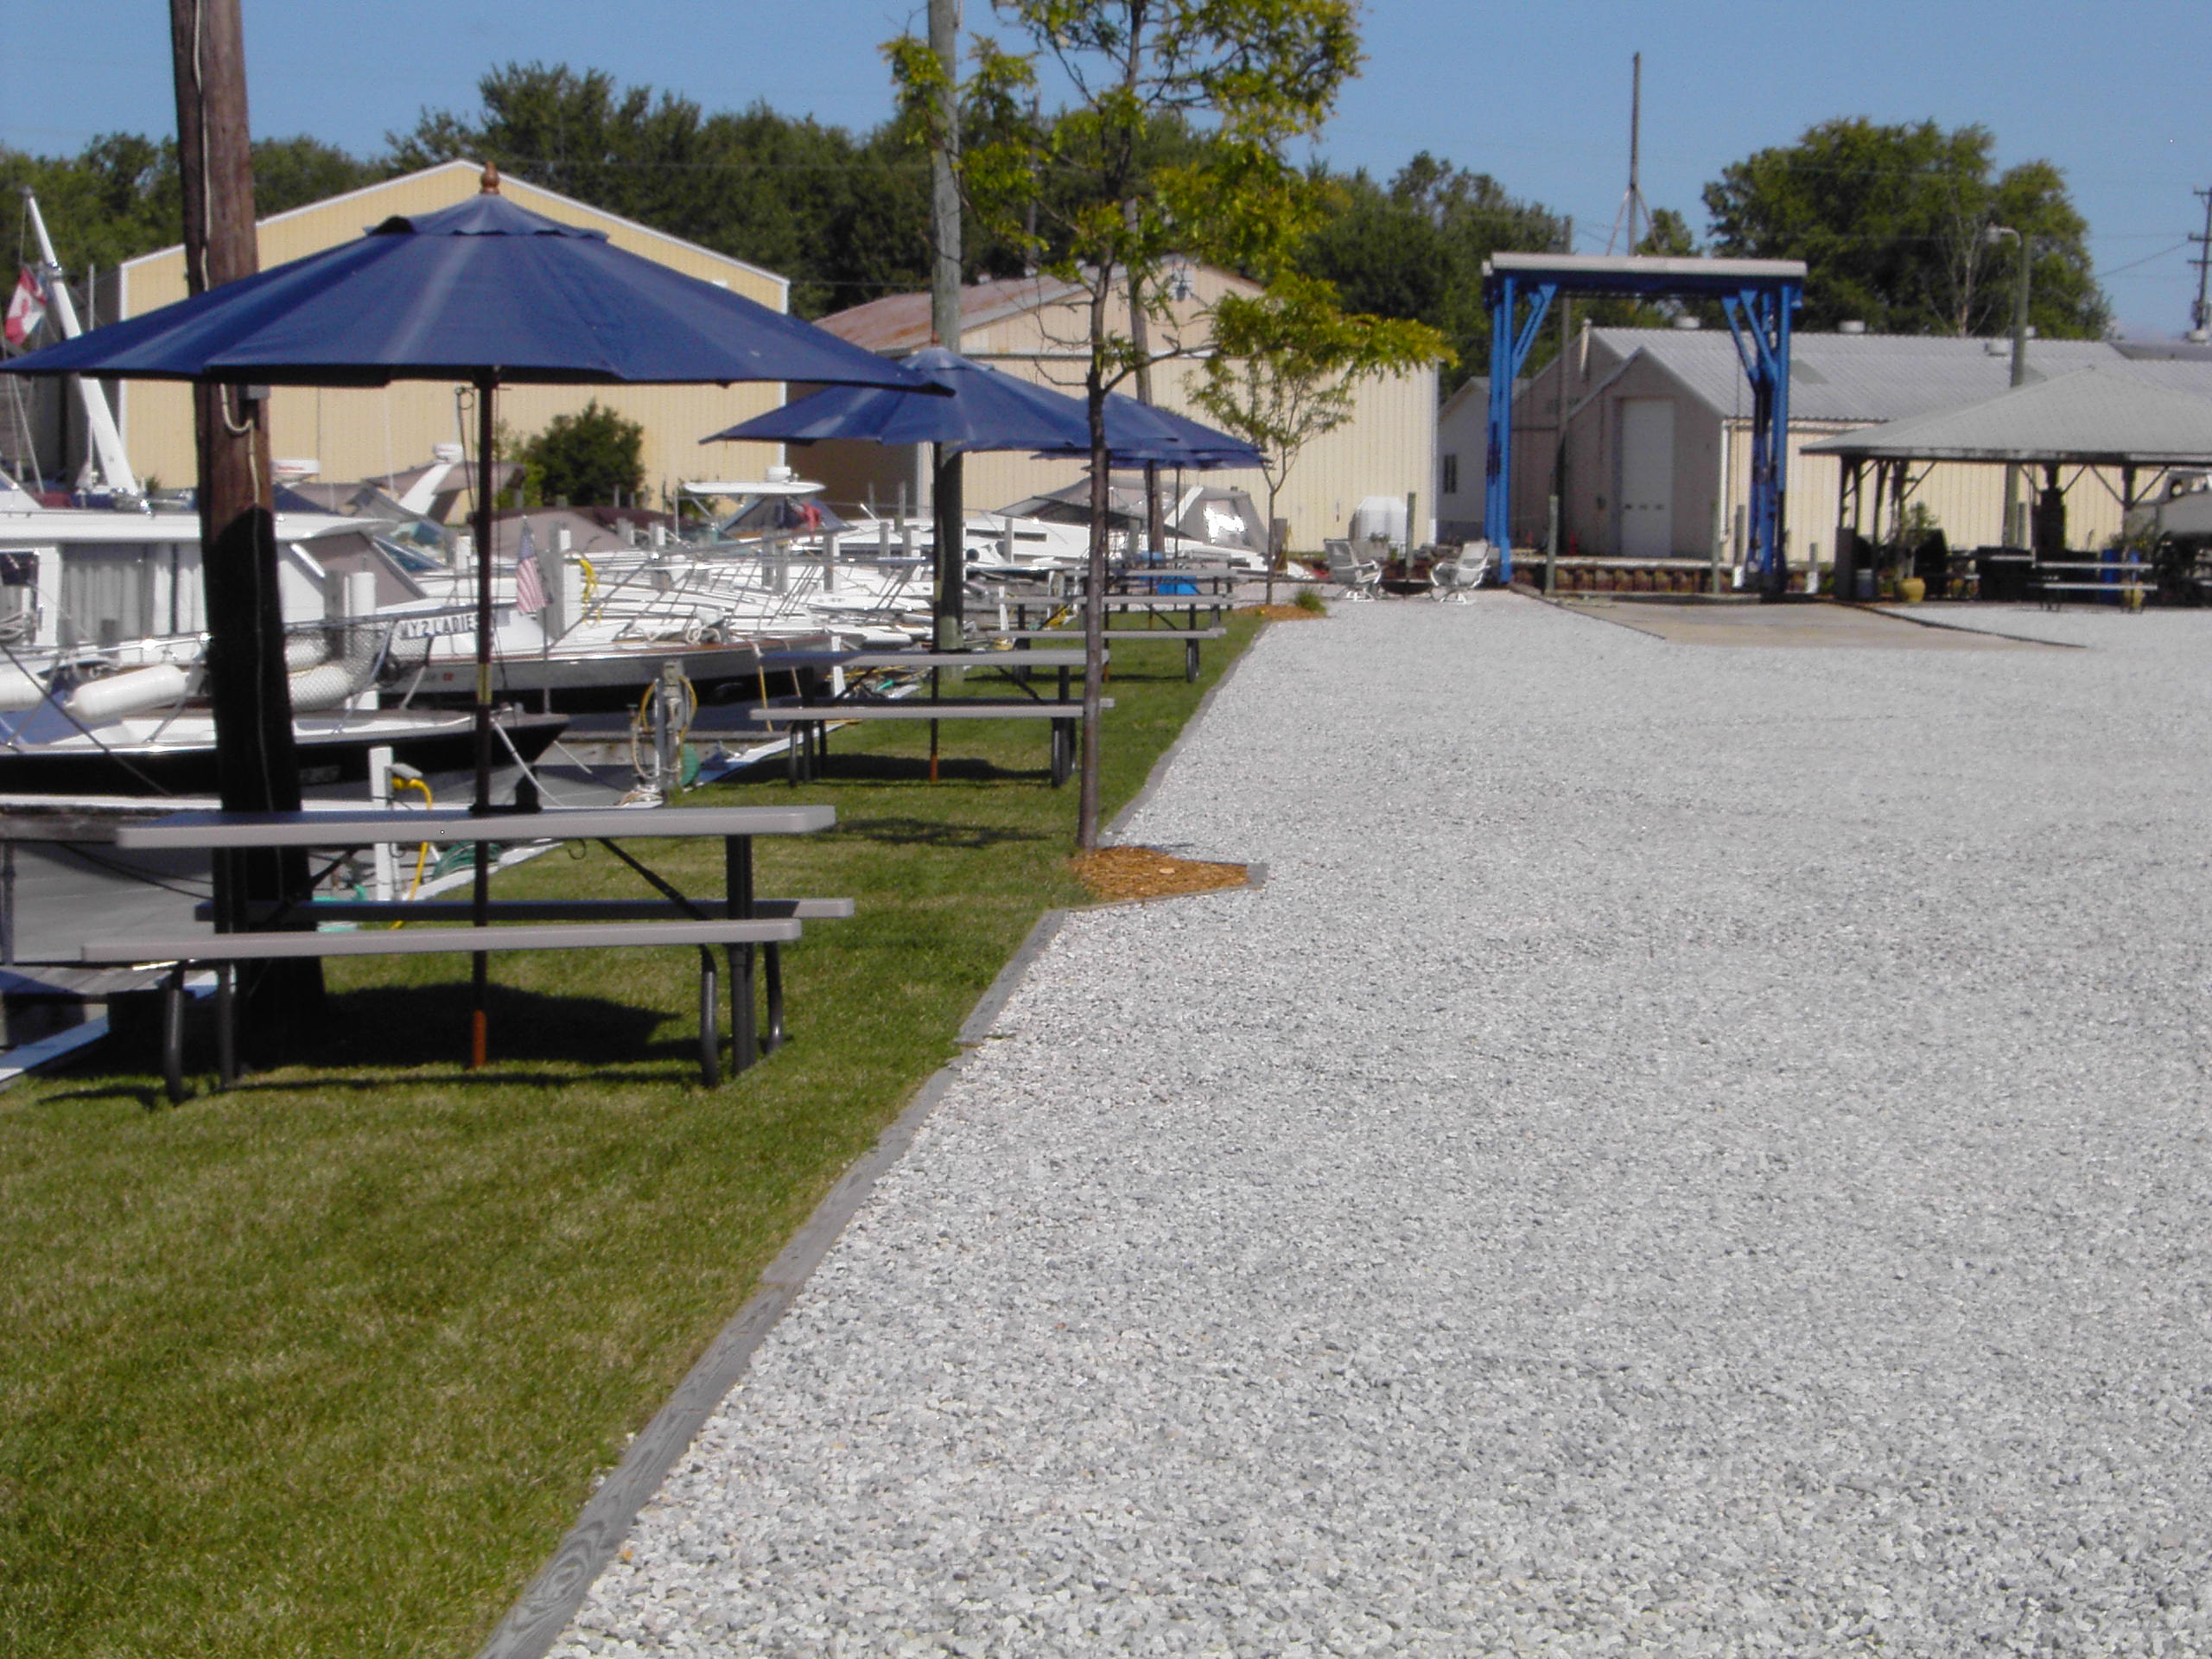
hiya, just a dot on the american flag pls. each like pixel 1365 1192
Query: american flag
pixel 530 586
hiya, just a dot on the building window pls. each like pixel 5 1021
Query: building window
pixel 1451 474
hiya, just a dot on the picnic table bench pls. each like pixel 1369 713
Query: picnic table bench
pixel 254 933
pixel 1191 639
pixel 2053 577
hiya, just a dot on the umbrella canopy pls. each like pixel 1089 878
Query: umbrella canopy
pixel 988 410
pixel 483 291
pixel 486 292
pixel 1139 434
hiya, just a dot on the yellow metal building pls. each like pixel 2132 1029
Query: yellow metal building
pixel 1037 327
pixel 357 434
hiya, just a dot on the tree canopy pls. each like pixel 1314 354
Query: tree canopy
pixel 1413 249
pixel 119 197
pixel 1890 222
pixel 591 459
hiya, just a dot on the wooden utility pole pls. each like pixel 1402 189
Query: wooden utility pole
pixel 948 518
pixel 258 769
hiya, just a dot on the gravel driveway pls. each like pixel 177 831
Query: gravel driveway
pixel 1691 1152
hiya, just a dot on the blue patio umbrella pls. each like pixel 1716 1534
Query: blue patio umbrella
pixel 990 410
pixel 486 292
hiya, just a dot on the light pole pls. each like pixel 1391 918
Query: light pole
pixel 2015 533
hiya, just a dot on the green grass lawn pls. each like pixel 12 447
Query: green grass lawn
pixel 328 1365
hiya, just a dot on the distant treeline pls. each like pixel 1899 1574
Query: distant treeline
pixel 845 216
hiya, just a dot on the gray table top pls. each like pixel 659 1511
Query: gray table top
pixel 934 659
pixel 450 824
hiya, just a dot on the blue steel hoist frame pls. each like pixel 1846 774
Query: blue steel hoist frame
pixel 1758 297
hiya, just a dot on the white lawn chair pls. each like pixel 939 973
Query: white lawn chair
pixel 1457 578
pixel 1359 578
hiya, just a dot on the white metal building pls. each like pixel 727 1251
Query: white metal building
pixel 1037 327
pixel 1657 458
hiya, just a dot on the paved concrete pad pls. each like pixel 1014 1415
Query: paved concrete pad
pixel 1801 626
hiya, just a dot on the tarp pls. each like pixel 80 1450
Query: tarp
pixel 2093 417
pixel 1219 517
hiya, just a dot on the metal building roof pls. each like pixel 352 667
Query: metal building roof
pixel 1859 378
pixel 2093 415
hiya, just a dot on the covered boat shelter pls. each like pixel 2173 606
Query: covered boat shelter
pixel 1760 297
pixel 2101 423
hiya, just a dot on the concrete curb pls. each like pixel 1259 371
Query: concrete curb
pixel 544 1610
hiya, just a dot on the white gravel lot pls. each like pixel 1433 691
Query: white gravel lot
pixel 1692 1152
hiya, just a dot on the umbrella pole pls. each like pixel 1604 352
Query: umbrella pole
pixel 480 891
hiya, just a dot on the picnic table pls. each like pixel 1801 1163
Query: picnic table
pixel 737 921
pixel 859 703
pixel 1161 617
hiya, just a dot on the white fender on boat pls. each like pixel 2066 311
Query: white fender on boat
pixel 19 690
pixel 131 692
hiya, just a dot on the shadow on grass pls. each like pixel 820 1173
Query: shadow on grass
pixel 922 832
pixel 852 767
pixel 379 1032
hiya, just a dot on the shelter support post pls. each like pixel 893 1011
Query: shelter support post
pixel 1758 320
pixel 1509 346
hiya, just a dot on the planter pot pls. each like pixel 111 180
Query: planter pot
pixel 1912 590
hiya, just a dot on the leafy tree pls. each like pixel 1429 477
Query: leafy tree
pixel 585 459
pixel 290 173
pixel 1414 250
pixel 1889 222
pixel 1084 194
pixel 1286 363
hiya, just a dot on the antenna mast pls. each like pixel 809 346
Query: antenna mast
pixel 1634 199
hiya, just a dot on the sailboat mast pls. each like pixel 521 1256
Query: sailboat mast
pixel 108 442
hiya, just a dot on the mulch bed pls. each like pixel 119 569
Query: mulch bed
pixel 1120 873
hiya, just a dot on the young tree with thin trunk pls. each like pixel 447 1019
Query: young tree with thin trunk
pixel 1086 193
pixel 1285 366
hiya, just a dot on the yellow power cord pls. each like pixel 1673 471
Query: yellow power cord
pixel 422 856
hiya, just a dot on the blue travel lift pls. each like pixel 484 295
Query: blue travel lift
pixel 1760 297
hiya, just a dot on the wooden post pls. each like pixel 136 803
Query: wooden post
pixel 257 766
pixel 948 540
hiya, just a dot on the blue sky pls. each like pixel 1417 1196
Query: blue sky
pixel 1536 95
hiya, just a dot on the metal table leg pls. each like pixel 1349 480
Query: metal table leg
pixel 710 1047
pixel 173 1035
pixel 744 1037
pixel 771 956
pixel 226 1036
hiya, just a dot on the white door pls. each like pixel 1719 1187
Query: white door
pixel 1646 478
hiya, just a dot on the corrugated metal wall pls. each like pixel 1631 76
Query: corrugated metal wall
pixel 360 433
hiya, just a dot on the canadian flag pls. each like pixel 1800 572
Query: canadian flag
pixel 26 309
